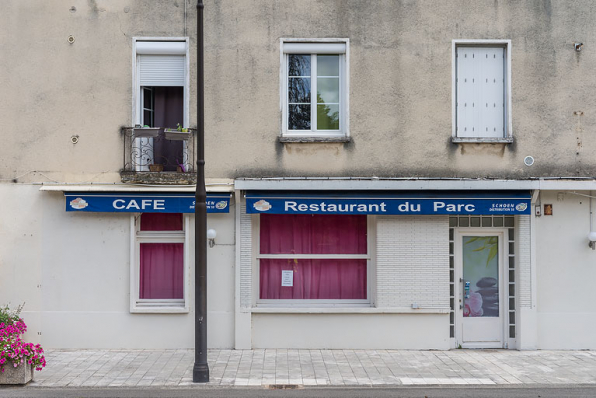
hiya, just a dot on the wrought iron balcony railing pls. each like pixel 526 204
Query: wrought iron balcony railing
pixel 159 155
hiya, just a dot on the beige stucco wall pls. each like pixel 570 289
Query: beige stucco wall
pixel 355 331
pixel 73 272
pixel 400 85
pixel 565 273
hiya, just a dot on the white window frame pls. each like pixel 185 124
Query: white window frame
pixel 162 306
pixel 344 91
pixel 301 303
pixel 137 96
pixel 506 44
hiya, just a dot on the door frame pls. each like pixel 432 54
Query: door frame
pixel 502 255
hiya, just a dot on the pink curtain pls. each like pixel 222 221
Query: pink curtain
pixel 161 222
pixel 313 234
pixel 162 271
pixel 314 278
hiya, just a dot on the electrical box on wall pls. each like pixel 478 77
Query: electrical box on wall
pixel 537 211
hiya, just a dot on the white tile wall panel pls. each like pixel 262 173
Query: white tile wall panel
pixel 523 238
pixel 413 261
pixel 245 258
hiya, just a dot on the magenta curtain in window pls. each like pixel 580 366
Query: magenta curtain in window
pixel 313 279
pixel 161 222
pixel 162 271
pixel 313 234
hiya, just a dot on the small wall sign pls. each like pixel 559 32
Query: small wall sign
pixel 548 210
pixel 287 278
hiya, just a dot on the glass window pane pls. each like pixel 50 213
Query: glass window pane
pixel 298 117
pixel 328 117
pixel 313 279
pixel 299 90
pixel 328 90
pixel 161 271
pixel 298 65
pixel 328 65
pixel 481 276
pixel 147 100
pixel 147 118
pixel 313 234
pixel 161 221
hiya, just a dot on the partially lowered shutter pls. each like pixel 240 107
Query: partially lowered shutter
pixel 161 70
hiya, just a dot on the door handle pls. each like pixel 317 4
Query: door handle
pixel 463 294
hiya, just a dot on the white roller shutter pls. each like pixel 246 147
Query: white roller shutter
pixel 480 92
pixel 161 70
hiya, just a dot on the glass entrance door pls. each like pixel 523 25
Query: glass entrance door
pixel 481 311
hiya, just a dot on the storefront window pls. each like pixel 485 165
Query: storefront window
pixel 313 257
pixel 161 265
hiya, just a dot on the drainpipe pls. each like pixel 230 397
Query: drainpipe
pixel 200 370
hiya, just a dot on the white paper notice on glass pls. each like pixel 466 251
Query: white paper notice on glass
pixel 287 278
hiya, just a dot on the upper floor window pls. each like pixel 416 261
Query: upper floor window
pixel 161 99
pixel 314 92
pixel 482 91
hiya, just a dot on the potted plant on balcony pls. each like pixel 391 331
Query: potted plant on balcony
pixel 178 134
pixel 145 131
pixel 17 358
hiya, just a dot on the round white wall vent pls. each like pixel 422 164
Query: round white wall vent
pixel 528 160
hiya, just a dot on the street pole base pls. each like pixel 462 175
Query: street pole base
pixel 200 373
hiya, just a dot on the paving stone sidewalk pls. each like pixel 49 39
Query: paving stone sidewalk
pixel 143 368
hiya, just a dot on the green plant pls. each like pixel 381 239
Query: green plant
pixel 181 129
pixel 8 316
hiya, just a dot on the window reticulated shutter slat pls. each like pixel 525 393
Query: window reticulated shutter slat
pixel 480 92
pixel 161 70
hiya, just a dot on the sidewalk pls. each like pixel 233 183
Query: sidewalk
pixel 143 368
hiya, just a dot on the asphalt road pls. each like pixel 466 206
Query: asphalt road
pixel 398 392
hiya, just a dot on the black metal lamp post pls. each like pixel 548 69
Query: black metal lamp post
pixel 200 370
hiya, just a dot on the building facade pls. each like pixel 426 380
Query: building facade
pixel 388 174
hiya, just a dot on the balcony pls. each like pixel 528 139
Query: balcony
pixel 158 156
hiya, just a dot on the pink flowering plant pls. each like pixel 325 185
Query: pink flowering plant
pixel 13 350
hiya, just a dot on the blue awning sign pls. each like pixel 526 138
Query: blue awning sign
pixel 391 204
pixel 144 203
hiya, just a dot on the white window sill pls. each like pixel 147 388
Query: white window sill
pixel 291 139
pixel 159 310
pixel 346 310
pixel 480 140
